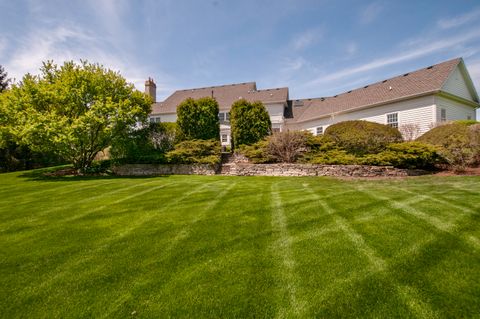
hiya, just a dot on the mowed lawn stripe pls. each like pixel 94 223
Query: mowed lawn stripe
pixel 282 248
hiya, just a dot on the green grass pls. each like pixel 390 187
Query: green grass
pixel 209 246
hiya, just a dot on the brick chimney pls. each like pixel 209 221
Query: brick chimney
pixel 151 89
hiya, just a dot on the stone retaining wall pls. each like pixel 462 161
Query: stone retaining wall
pixel 240 169
pixel 165 169
pixel 243 169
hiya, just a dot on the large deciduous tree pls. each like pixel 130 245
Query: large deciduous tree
pixel 250 122
pixel 74 110
pixel 198 119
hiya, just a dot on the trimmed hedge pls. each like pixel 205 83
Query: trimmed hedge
pixel 405 155
pixel 458 142
pixel 362 137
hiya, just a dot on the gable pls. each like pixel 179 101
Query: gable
pixel 460 84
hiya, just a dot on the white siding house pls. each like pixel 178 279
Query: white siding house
pixel 416 101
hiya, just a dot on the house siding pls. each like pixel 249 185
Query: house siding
pixel 419 111
pixel 454 110
pixel 456 85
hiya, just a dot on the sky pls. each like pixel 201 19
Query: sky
pixel 316 48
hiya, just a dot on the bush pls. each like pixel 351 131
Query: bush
pixel 249 122
pixel 459 143
pixel 146 145
pixel 405 155
pixel 287 146
pixel 362 137
pixel 196 151
pixel 198 119
pixel 257 152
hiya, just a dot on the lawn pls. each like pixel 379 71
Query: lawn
pixel 223 247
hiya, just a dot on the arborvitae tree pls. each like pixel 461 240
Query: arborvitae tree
pixel 249 122
pixel 198 119
pixel 3 79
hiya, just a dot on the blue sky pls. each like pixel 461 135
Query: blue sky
pixel 316 48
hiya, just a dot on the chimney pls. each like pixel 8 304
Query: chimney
pixel 151 89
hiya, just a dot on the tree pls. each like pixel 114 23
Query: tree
pixel 249 122
pixel 3 79
pixel 75 110
pixel 198 119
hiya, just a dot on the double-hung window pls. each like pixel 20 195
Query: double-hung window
pixel 319 130
pixel 392 120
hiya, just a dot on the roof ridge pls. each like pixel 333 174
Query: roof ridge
pixel 217 86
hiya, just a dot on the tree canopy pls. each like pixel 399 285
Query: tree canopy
pixel 4 80
pixel 198 119
pixel 250 122
pixel 74 110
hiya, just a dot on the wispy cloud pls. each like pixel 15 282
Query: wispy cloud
pixel 371 12
pixel 307 38
pixel 67 42
pixel 408 55
pixel 448 23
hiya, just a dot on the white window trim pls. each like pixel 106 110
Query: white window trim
pixel 392 123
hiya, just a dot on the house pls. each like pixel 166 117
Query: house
pixel 414 102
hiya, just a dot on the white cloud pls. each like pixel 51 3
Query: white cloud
pixel 448 23
pixel 307 38
pixel 67 42
pixel 434 46
pixel 371 12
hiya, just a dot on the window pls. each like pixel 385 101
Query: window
pixel 224 138
pixel 392 120
pixel 319 130
pixel 443 115
pixel 155 119
pixel 469 117
pixel 224 117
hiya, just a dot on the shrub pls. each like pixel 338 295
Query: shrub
pixel 405 155
pixel 249 122
pixel 196 151
pixel 146 145
pixel 458 141
pixel 198 119
pixel 287 146
pixel 257 152
pixel 362 137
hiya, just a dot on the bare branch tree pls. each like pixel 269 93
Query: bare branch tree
pixel 410 131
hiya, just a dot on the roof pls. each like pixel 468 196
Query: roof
pixel 224 94
pixel 416 83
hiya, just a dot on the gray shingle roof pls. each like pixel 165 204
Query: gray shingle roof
pixel 224 94
pixel 416 83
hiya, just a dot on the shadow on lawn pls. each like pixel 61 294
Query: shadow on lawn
pixel 48 174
